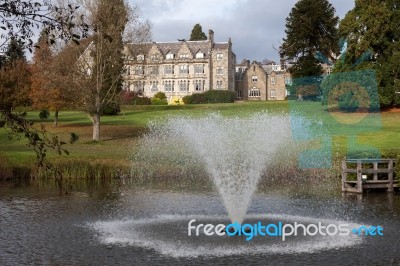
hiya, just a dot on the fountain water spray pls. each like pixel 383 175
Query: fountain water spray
pixel 235 151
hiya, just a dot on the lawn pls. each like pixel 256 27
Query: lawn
pixel 119 133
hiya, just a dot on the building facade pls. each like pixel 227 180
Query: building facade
pixel 256 81
pixel 179 68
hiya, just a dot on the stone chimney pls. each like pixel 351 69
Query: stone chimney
pixel 211 37
pixel 230 42
pixel 283 65
pixel 282 61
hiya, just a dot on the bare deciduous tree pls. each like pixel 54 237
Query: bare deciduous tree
pixel 96 77
pixel 136 30
pixel 99 68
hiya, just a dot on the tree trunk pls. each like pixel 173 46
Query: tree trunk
pixel 55 124
pixel 96 126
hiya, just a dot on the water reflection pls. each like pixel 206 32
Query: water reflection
pixel 40 227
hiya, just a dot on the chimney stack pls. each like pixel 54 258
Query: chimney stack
pixel 282 61
pixel 211 37
pixel 283 66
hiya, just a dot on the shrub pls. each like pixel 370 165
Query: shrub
pixel 391 153
pixel 160 95
pixel 158 101
pixel 211 96
pixel 134 98
pixel 187 99
pixel 111 109
pixel 348 103
pixel 44 114
pixel 127 97
pixel 141 101
pixel 217 96
pixel 176 101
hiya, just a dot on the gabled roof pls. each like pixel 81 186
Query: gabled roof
pixel 199 51
pixel 138 48
pixel 269 69
pixel 174 47
pixel 155 48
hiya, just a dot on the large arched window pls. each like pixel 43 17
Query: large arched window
pixel 169 86
pixel 199 84
pixel 183 85
pixel 254 92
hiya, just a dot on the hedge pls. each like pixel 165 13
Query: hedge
pixel 211 96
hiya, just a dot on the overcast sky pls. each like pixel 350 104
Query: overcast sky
pixel 255 26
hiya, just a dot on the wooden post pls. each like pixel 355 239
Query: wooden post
pixel 376 173
pixel 359 177
pixel 390 175
pixel 344 175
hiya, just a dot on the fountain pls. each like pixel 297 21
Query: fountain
pixel 213 170
pixel 235 152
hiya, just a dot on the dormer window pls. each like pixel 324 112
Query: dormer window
pixel 169 56
pixel 154 57
pixel 183 56
pixel 140 57
pixel 200 55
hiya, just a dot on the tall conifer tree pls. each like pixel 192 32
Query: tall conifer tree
pixel 371 30
pixel 197 33
pixel 310 29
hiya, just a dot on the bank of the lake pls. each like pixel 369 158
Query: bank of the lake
pixel 119 134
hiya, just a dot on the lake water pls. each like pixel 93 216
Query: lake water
pixel 107 224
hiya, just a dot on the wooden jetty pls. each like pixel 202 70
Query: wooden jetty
pixel 360 174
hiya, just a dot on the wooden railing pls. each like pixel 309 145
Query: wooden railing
pixel 368 177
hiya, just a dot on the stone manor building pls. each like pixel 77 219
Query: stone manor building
pixel 179 68
pixel 266 82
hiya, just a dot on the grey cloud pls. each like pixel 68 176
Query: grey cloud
pixel 255 26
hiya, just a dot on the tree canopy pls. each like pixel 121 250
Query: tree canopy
pixel 371 32
pixel 197 33
pixel 99 68
pixel 19 18
pixel 14 77
pixel 310 29
pixel 18 21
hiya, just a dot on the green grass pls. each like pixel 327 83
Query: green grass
pixel 119 133
pixel 356 131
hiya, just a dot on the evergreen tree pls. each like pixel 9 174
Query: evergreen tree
pixel 14 77
pixel 15 51
pixel 372 32
pixel 310 29
pixel 197 33
pixel 42 55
